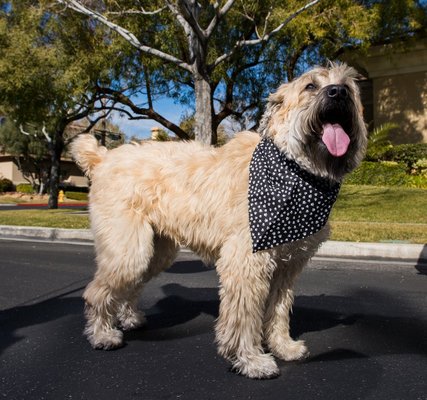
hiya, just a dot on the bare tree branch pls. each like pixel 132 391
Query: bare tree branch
pixel 88 128
pixel 44 131
pixel 266 36
pixel 150 113
pixel 216 19
pixel 21 128
pixel 46 135
pixel 141 11
pixel 127 35
pixel 187 19
pixel 265 25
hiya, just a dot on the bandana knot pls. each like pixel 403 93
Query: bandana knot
pixel 286 202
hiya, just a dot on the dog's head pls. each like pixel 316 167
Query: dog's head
pixel 317 121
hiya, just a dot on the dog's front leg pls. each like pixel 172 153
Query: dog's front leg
pixel 245 282
pixel 276 324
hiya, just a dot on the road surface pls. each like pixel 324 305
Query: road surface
pixel 365 324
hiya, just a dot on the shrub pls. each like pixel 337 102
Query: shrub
pixel 24 188
pixel 409 154
pixel 379 143
pixel 420 167
pixel 379 174
pixel 417 181
pixel 385 173
pixel 76 196
pixel 6 185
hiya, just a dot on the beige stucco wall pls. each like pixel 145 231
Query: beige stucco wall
pixel 72 174
pixel 9 170
pixel 6 170
pixel 17 176
pixel 402 99
pixel 69 170
pixel 398 74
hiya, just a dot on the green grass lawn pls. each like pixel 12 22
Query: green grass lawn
pixel 372 214
pixel 46 218
pixel 361 213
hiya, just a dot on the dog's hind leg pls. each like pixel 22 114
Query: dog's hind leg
pixel 276 324
pixel 165 251
pixel 245 281
pixel 124 253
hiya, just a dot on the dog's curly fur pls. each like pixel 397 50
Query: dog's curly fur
pixel 148 199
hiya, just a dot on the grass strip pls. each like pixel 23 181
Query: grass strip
pixel 378 232
pixel 381 204
pixel 69 219
pixel 380 214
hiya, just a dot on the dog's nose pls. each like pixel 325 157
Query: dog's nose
pixel 337 91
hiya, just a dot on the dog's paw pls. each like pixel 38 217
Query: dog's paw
pixel 260 366
pixel 107 340
pixel 291 350
pixel 132 321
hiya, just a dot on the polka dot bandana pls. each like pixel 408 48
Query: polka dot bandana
pixel 286 202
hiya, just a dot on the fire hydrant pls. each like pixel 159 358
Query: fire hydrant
pixel 61 196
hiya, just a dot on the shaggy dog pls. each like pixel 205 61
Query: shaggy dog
pixel 148 199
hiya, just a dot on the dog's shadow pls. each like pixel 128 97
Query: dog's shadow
pixel 182 312
pixel 185 312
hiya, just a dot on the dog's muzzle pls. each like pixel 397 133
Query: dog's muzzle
pixel 335 114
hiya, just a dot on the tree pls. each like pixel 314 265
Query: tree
pixel 29 151
pixel 49 74
pixel 188 35
pixel 228 55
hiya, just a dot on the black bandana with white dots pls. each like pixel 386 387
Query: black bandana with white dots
pixel 286 202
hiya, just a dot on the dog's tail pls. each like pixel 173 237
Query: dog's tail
pixel 87 153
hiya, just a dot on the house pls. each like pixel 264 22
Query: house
pixel 10 165
pixel 70 173
pixel 395 88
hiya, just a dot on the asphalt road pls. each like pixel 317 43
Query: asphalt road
pixel 365 325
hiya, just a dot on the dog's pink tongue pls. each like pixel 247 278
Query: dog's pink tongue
pixel 335 139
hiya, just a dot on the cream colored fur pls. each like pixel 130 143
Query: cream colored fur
pixel 148 199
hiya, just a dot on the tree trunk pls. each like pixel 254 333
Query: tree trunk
pixel 56 148
pixel 204 110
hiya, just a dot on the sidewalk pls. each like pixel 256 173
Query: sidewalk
pixel 380 251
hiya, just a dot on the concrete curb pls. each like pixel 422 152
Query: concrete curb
pixel 48 234
pixel 381 251
pixel 391 251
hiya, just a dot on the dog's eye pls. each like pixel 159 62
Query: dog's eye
pixel 311 87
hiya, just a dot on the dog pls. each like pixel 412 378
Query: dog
pixel 148 199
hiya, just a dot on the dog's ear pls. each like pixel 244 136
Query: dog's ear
pixel 279 95
pixel 275 101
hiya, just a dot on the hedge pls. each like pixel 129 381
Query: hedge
pixel 24 188
pixel 409 154
pixel 385 173
pixel 76 196
pixel 6 185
